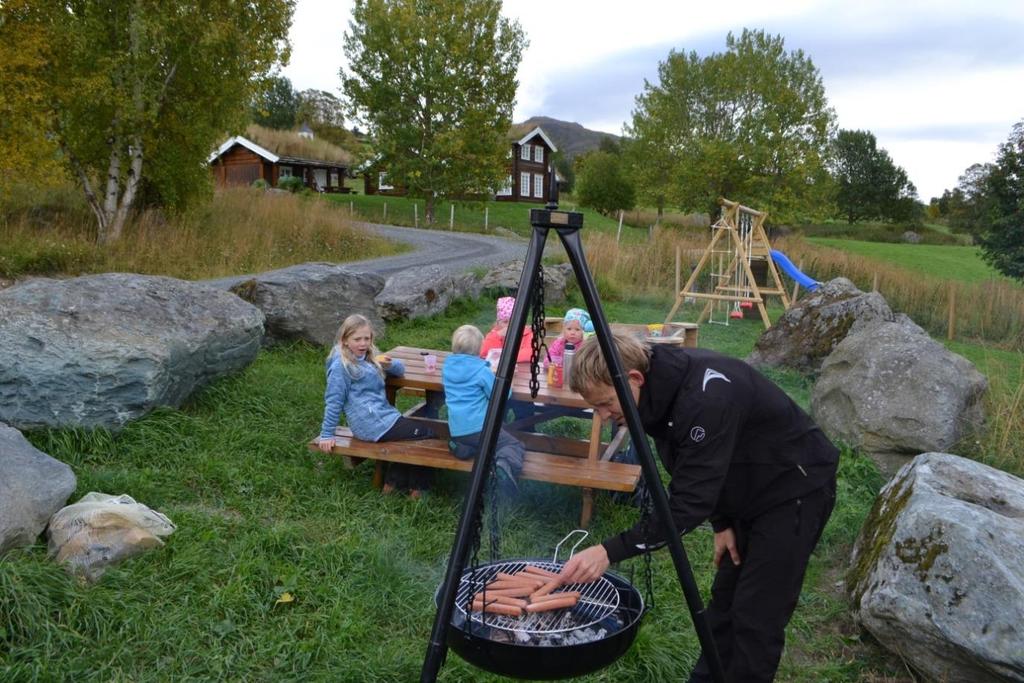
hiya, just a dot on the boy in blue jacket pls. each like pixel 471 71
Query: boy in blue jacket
pixel 468 381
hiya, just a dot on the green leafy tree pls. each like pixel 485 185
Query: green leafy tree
pixel 325 114
pixel 869 186
pixel 275 105
pixel 1003 243
pixel 137 93
pixel 750 123
pixel 603 183
pixel 967 206
pixel 434 82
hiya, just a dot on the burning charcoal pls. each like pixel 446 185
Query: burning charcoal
pixel 523 638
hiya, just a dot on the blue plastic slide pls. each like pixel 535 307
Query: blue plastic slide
pixel 782 261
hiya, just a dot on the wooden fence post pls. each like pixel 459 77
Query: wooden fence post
pixel 487 210
pixel 618 236
pixel 385 219
pixel 952 311
pixel 415 215
pixel 351 208
pixel 874 283
pixel 451 218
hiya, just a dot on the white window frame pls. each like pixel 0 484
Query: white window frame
pixel 538 154
pixel 382 184
pixel 284 172
pixel 524 184
pixel 538 185
pixel 524 152
pixel 506 189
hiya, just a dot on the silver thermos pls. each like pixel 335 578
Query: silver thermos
pixel 567 358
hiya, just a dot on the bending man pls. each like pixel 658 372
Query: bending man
pixel 741 454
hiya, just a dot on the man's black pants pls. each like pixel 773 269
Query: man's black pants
pixel 752 603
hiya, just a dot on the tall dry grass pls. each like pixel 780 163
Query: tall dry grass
pixel 992 311
pixel 240 231
pixel 641 268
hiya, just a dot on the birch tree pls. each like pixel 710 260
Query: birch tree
pixel 138 92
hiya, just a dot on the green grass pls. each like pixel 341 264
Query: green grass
pixel 259 515
pixel 469 216
pixel 963 264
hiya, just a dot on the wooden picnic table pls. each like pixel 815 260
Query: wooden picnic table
pixel 551 402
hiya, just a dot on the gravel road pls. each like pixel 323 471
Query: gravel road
pixel 454 251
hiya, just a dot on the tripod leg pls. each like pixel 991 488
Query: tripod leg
pixel 438 647
pixel 574 247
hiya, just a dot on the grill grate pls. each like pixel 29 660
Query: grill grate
pixel 597 601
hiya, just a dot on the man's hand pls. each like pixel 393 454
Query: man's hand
pixel 326 445
pixel 725 541
pixel 586 566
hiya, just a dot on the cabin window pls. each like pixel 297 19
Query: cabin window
pixel 524 184
pixel 334 179
pixel 538 185
pixel 538 154
pixel 524 152
pixel 284 172
pixel 506 189
pixel 382 181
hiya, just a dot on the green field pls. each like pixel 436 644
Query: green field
pixel 469 216
pixel 948 262
pixel 258 515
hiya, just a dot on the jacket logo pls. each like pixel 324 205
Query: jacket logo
pixel 709 375
pixel 697 433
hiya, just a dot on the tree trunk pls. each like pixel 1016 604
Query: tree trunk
pixel 428 211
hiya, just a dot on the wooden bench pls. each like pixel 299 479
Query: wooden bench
pixel 554 469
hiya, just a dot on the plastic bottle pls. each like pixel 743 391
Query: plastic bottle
pixel 567 357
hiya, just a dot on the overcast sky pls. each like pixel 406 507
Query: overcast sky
pixel 940 84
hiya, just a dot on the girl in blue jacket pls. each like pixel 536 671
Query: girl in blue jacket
pixel 355 386
pixel 468 381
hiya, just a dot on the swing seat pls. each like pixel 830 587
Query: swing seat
pixel 746 304
pixel 735 314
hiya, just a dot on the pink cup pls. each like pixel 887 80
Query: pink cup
pixel 430 362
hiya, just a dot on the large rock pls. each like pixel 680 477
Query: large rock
pixel 505 279
pixel 806 333
pixel 99 350
pixel 893 391
pixel 309 301
pixel 938 571
pixel 422 292
pixel 33 486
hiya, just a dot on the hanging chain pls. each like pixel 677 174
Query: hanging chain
pixel 538 329
pixel 495 536
pixel 646 513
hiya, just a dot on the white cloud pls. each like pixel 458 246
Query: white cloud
pixel 937 81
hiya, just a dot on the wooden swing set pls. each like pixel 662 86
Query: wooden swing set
pixel 738 239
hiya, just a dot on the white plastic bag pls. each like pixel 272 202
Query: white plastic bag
pixel 101 530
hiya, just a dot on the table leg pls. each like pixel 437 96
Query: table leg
pixel 378 474
pixel 593 455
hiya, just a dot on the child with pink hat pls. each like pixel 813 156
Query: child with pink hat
pixel 495 339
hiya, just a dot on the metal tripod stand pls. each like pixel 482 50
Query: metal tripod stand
pixel 567 225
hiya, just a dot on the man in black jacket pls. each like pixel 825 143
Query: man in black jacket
pixel 741 454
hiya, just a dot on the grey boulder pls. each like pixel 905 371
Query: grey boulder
pixel 33 486
pixel 806 334
pixel 505 278
pixel 893 391
pixel 100 350
pixel 422 292
pixel 309 301
pixel 938 570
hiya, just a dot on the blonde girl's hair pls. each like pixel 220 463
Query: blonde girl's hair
pixel 589 368
pixel 353 324
pixel 467 339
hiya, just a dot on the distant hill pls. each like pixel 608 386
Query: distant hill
pixel 572 139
